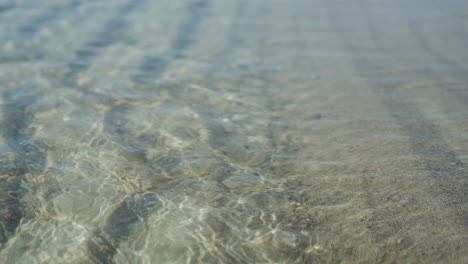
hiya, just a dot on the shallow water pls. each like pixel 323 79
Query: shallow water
pixel 234 131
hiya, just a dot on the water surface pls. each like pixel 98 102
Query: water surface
pixel 234 131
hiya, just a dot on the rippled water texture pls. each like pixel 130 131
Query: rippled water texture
pixel 233 131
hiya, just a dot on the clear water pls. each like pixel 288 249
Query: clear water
pixel 234 131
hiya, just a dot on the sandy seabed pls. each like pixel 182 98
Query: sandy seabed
pixel 235 131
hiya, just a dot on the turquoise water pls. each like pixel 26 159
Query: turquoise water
pixel 233 131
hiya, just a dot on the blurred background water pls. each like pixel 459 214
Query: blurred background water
pixel 233 131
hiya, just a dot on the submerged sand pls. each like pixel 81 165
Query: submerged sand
pixel 234 131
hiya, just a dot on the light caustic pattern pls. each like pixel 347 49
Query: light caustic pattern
pixel 233 131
